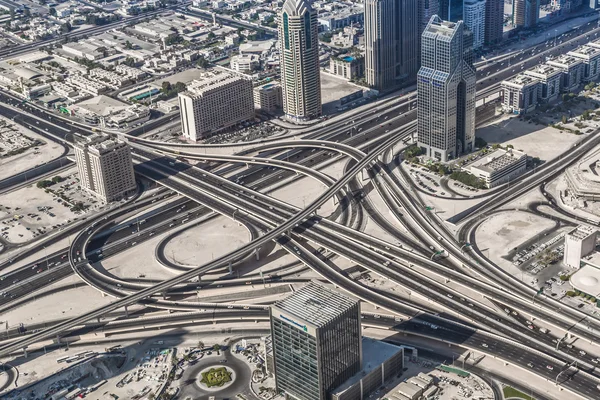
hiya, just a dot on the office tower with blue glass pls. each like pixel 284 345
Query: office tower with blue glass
pixel 316 340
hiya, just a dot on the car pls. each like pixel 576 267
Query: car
pixel 449 295
pixel 582 353
pixel 531 327
pixel 484 345
pixel 550 367
pixel 595 361
pixel 530 365
pixel 230 306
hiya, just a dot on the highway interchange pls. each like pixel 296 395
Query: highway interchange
pixel 365 143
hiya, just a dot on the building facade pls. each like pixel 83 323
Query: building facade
pixel 427 9
pixel 299 61
pixel 391 43
pixel 550 78
pixel 526 13
pixel 494 21
pixel 105 167
pixel 474 19
pixel 451 10
pixel 216 102
pixel 573 70
pixel 520 94
pixel 580 242
pixel 446 91
pixel 316 341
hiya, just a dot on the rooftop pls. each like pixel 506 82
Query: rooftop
pixel 522 79
pixel 102 105
pixel 498 160
pixel 440 27
pixel 585 50
pixel 316 304
pixel 587 280
pixel 375 353
pixel 566 59
pixel 582 232
pixel 211 80
pixel 544 70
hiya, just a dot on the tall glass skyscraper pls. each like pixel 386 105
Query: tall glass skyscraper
pixel 299 61
pixel 391 43
pixel 316 338
pixel 446 90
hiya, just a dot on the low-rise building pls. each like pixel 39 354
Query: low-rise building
pixel 499 167
pixel 520 93
pixel 550 80
pixel 109 78
pixel 245 63
pixel 86 85
pixel 338 19
pixel 348 67
pixel 572 69
pixel 590 55
pixel 83 50
pixel 63 89
pixel 130 72
pixel 216 101
pixel 268 97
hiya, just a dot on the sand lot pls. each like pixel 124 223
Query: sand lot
pixel 535 140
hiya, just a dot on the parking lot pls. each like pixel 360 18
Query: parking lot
pixel 32 211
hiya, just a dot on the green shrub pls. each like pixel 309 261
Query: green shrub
pixel 468 179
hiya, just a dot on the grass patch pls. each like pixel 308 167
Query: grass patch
pixel 216 377
pixel 512 392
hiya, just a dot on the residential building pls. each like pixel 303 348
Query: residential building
pixel 86 85
pixel 573 70
pixel 520 94
pixel 590 55
pixel 580 242
pixel 299 61
pixel 317 343
pixel 130 72
pixel 494 21
pixel 446 91
pixel 348 67
pixel 499 167
pixel 105 167
pixel 526 13
pixel 391 43
pixel 550 78
pixel 217 101
pixel 474 19
pixel 268 97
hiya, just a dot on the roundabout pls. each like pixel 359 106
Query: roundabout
pixel 216 378
pixel 220 376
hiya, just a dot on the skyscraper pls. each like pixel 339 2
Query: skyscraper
pixel 494 21
pixel 474 19
pixel 525 13
pixel 451 10
pixel 299 61
pixel 391 43
pixel 427 9
pixel 316 339
pixel 446 90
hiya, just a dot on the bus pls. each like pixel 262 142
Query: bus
pixel 62 359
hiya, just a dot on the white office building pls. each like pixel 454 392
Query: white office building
pixel 474 17
pixel 499 167
pixel 105 167
pixel 520 94
pixel 217 101
pixel 580 242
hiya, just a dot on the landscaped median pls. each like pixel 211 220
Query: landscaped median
pixel 216 377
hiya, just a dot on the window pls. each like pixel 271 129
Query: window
pixel 286 34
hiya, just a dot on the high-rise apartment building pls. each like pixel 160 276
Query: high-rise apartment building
pixel 316 342
pixel 391 43
pixel 299 61
pixel 474 19
pixel 446 91
pixel 217 101
pixel 494 21
pixel 105 167
pixel 525 13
